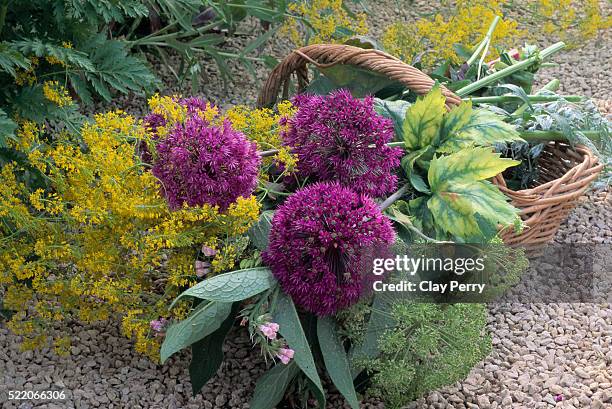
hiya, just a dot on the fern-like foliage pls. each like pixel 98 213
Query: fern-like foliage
pixel 114 68
pixel 106 10
pixel 11 60
pixel 7 128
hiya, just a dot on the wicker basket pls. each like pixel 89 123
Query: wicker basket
pixel 565 172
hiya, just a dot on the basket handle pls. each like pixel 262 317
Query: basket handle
pixel 327 55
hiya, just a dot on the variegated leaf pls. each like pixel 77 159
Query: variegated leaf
pixel 423 119
pixel 464 126
pixel 466 166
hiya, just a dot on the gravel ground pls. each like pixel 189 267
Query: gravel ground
pixel 541 351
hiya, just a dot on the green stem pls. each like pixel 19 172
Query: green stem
pixel 468 89
pixel 395 196
pixel 552 86
pixel 484 43
pixel 532 98
pixel 548 136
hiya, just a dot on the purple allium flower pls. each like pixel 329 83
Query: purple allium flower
pixel 201 164
pixel 322 243
pixel 341 138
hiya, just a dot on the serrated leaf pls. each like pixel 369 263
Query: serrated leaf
pixel 207 356
pixel 231 287
pixel 259 232
pixel 423 119
pixel 205 319
pixel 484 128
pixel 466 166
pixel 459 192
pixel 291 329
pixel 454 121
pixel 454 214
pixel 270 388
pixel 7 128
pixel 336 361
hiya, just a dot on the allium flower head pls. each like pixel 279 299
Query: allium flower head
pixel 322 242
pixel 341 138
pixel 199 164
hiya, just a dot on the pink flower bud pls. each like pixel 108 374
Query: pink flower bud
pixel 208 251
pixel 285 355
pixel 270 333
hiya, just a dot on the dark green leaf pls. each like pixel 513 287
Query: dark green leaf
pixel 377 324
pixel 359 81
pixel 394 110
pixel 207 356
pixel 291 329
pixel 205 319
pixel 258 233
pixel 336 361
pixel 271 387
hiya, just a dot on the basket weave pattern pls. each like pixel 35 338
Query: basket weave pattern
pixel 565 172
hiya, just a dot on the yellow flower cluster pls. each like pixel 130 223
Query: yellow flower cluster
pixel 57 93
pixel 570 21
pixel 434 38
pixel 99 242
pixel 467 21
pixel 326 19
pixel 27 77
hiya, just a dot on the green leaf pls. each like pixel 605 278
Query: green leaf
pixel 365 42
pixel 233 286
pixel 423 119
pixel 394 110
pixel 205 319
pixel 291 329
pixel 271 387
pixel 7 128
pixel 484 128
pixel 259 232
pixel 207 356
pixel 11 60
pixel 359 81
pixel 415 178
pixel 336 361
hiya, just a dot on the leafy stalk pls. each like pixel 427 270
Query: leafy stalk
pixel 552 86
pixel 544 54
pixel 484 44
